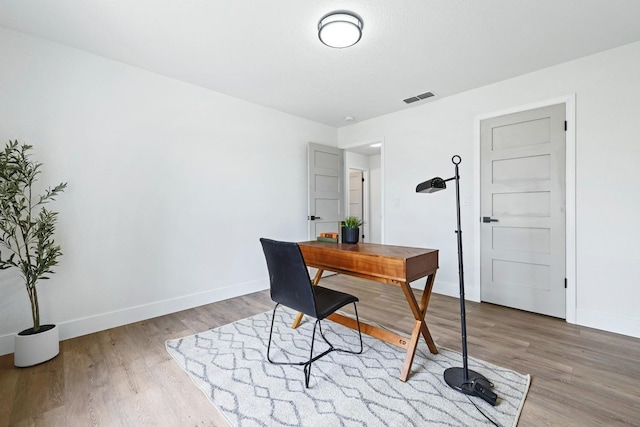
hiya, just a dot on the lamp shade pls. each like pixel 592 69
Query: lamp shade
pixel 340 29
pixel 431 186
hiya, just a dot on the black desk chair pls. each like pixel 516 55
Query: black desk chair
pixel 291 287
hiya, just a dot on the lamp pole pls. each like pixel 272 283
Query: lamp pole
pixel 463 319
pixel 462 379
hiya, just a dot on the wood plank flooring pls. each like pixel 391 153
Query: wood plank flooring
pixel 124 376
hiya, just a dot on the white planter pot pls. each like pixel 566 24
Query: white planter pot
pixel 36 348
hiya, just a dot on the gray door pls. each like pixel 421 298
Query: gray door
pixel 325 168
pixel 523 210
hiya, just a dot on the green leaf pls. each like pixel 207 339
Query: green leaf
pixel 26 229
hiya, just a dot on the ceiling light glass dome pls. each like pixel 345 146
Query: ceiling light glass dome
pixel 340 29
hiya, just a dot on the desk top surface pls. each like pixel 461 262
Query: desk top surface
pixel 373 249
pixel 379 262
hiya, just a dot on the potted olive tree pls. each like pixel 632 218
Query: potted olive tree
pixel 26 243
pixel 351 229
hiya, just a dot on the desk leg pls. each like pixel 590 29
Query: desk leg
pixel 424 304
pixel 298 319
pixel 411 352
pixel 419 311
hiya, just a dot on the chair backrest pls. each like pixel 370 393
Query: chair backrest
pixel 288 276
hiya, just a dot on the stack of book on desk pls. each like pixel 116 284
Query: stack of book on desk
pixel 328 237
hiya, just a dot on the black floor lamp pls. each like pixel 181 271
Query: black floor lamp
pixel 462 379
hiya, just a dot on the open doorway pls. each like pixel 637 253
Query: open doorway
pixel 328 178
pixel 357 206
pixel 364 178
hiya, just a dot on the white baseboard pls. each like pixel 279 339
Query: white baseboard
pixel 100 322
pixel 103 321
pixel 608 322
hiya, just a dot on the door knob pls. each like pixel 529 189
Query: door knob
pixel 488 219
pixel 312 217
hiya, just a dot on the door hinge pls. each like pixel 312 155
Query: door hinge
pixel 565 283
pixel 565 125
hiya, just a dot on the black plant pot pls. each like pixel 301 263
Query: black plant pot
pixel 350 235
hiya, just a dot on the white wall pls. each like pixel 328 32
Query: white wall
pixel 420 141
pixel 375 183
pixel 170 186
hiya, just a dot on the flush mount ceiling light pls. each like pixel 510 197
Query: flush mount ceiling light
pixel 340 29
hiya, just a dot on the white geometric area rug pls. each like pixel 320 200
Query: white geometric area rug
pixel 229 365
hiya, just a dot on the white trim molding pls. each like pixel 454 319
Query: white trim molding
pixel 113 319
pixel 616 324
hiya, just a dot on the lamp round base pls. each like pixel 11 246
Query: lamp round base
pixel 455 378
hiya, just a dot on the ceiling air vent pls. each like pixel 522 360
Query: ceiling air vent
pixel 419 97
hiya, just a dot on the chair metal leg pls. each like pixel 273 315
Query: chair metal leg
pixel 273 318
pixel 307 364
pixel 359 335
pixel 359 331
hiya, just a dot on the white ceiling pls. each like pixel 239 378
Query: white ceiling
pixel 268 52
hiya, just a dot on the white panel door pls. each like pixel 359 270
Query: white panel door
pixel 325 168
pixel 523 210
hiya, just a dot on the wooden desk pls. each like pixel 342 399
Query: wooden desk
pixel 393 265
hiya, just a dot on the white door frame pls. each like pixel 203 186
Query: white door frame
pixel 358 144
pixel 570 195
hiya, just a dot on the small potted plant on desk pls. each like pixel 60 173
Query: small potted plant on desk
pixel 351 229
pixel 26 230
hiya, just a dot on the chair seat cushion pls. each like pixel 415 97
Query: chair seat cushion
pixel 329 300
